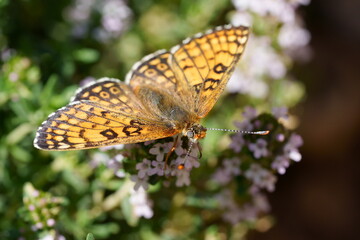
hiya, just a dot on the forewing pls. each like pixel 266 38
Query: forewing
pixel 87 124
pixel 205 63
pixel 154 71
pixel 113 94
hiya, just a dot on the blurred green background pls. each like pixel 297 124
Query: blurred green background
pixel 49 47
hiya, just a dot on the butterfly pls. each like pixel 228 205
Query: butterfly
pixel 167 93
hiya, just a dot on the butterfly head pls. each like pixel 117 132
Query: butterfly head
pixel 195 132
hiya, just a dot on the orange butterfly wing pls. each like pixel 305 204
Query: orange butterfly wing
pixel 154 71
pixel 104 113
pixel 206 61
pixel 196 71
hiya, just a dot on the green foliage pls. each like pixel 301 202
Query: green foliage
pixel 90 237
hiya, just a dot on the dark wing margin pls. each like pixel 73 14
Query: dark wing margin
pixel 86 124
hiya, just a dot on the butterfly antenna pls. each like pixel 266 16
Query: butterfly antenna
pixel 240 131
pixel 182 165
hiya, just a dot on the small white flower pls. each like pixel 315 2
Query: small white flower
pixel 183 178
pixel 243 81
pixel 280 112
pixel 280 164
pixel 141 204
pixel 291 147
pixel 48 237
pixel 13 76
pixel 31 207
pixel 245 125
pixel 119 158
pixel 292 36
pixel 262 59
pixel 295 141
pixel 115 163
pixel 159 168
pixel 140 182
pixel 190 161
pixel 222 176
pixel 50 222
pixel 280 137
pixel 99 158
pixel 232 166
pixel 39 225
pixel 172 169
pixel 242 18
pixel 143 168
pixel 261 177
pixel 120 173
pixel 160 149
pixel 115 16
pixel 144 211
pixel 237 142
pixel 295 156
pixel 259 148
pixel 280 9
pixel 35 193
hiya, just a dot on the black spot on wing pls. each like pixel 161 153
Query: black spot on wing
pixel 220 68
pixel 109 134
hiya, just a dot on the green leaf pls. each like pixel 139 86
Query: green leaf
pixel 90 237
pixel 86 55
pixel 19 133
pixel 128 211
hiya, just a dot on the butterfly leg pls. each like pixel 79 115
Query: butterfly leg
pixel 200 149
pixel 182 165
pixel 171 151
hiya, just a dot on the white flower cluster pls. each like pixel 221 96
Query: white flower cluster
pixel 42 210
pixel 259 149
pixel 283 10
pixel 259 177
pixel 290 152
pixel 115 18
pixel 159 167
pixel 140 203
pixel 261 59
pixel 233 213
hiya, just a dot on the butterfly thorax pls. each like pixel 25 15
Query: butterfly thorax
pixel 171 110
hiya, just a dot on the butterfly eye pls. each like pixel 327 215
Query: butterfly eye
pixel 190 134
